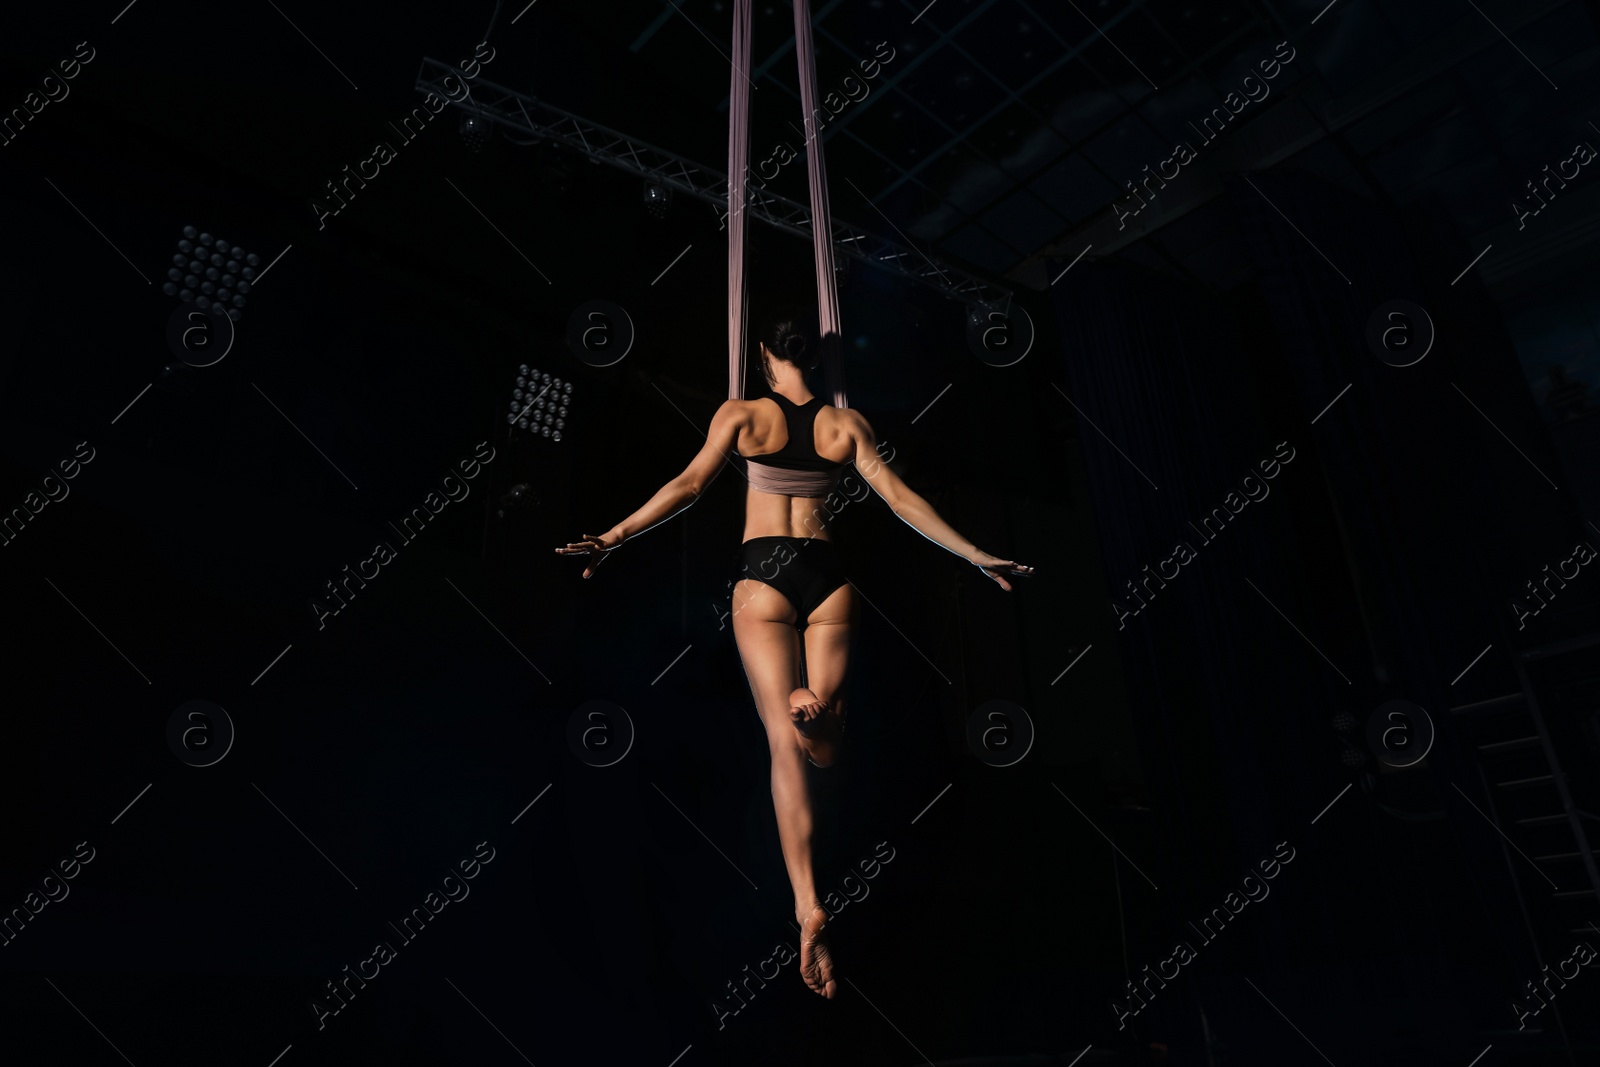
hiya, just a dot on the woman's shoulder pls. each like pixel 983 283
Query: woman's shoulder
pixel 845 418
pixel 737 414
pixel 846 424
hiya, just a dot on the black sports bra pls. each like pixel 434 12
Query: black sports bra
pixel 799 452
pixel 795 469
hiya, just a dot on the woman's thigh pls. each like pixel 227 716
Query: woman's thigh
pixel 827 643
pixel 769 647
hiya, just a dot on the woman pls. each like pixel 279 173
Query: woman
pixel 795 608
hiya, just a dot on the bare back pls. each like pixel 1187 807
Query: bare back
pixel 762 430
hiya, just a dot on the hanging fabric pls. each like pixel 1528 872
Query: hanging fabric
pixel 828 323
pixel 738 223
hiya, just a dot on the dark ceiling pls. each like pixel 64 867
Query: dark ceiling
pixel 1004 129
pixel 997 136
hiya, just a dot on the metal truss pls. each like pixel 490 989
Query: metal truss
pixel 520 111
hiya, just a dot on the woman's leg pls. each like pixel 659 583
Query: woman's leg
pixel 819 706
pixel 770 649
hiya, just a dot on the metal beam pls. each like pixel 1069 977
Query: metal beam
pixel 523 112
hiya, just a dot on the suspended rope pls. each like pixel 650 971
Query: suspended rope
pixel 828 324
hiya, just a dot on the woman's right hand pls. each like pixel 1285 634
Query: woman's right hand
pixel 595 547
pixel 994 567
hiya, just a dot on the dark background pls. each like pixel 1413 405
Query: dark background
pixel 1224 718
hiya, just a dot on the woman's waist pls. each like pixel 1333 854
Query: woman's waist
pixel 773 535
pixel 766 515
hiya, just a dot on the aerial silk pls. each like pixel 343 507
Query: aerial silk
pixel 828 326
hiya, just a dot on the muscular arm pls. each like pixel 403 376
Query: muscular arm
pixel 911 508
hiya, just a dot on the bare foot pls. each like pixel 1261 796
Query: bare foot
pixel 816 962
pixel 819 725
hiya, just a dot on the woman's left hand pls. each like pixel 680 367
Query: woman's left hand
pixel 597 548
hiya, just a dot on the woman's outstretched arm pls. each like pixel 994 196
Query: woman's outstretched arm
pixel 917 512
pixel 673 497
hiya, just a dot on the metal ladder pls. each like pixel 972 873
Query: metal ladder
pixel 1528 793
pixel 1547 834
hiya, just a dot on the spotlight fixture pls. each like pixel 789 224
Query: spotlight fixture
pixel 475 131
pixel 539 404
pixel 657 199
pixel 210 273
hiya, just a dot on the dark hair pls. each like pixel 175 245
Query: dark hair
pixel 790 338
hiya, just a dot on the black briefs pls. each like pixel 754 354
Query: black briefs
pixel 804 569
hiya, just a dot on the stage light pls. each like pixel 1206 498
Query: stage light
pixel 475 132
pixel 657 199
pixel 539 403
pixel 1344 724
pixel 209 271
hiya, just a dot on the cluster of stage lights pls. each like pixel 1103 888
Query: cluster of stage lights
pixel 475 132
pixel 539 403
pixel 657 199
pixel 210 273
pixel 1344 725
